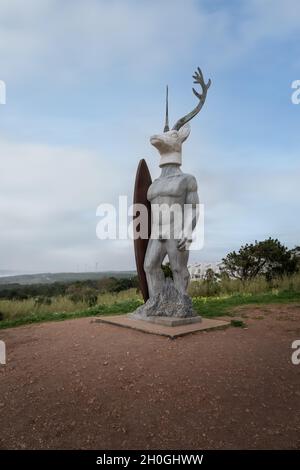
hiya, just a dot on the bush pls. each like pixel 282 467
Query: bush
pixel 268 258
pixel 167 270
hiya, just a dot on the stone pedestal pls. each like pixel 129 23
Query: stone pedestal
pixel 169 321
pixel 172 332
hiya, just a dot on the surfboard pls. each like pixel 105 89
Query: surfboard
pixel 142 183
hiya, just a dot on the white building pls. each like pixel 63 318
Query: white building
pixel 198 270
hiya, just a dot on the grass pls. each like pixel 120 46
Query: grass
pixel 238 323
pixel 22 312
pixel 224 305
pixel 44 316
pixel 258 285
pixel 17 313
pixel 13 309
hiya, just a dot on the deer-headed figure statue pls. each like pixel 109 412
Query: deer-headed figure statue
pixel 173 187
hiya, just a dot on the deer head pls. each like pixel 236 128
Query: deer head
pixel 169 144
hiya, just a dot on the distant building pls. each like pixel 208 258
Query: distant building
pixel 198 270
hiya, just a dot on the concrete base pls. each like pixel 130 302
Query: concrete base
pixel 169 321
pixel 205 324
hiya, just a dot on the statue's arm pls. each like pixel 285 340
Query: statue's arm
pixel 191 213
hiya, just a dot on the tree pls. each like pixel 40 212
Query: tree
pixel 210 275
pixel 210 281
pixel 296 253
pixel 269 258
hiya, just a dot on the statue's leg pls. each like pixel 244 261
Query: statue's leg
pixel 156 251
pixel 178 262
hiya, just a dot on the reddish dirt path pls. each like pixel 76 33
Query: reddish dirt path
pixel 77 384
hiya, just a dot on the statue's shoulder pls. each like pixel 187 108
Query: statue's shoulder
pixel 191 182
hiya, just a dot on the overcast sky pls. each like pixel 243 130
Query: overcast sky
pixel 85 89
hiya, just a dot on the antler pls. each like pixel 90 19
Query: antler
pixel 198 78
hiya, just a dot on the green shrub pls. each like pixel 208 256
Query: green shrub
pixel 238 323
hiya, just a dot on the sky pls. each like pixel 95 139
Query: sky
pixel 85 83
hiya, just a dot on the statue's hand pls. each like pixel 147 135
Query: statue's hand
pixel 183 243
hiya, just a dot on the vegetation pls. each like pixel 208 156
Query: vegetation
pixel 51 278
pixel 260 273
pixel 267 258
pixel 21 312
pixel 16 313
pixel 223 285
pixel 238 323
pixel 79 289
pixel 167 270
pixel 224 305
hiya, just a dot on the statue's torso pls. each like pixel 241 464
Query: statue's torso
pixel 169 192
pixel 169 189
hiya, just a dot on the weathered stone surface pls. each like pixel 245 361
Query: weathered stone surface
pixel 172 321
pixel 167 303
pixel 174 214
pixel 170 331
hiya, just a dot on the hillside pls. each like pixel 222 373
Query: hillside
pixel 49 278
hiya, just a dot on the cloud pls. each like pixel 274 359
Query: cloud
pixel 50 38
pixel 50 190
pixel 48 200
pixel 49 195
pixel 90 35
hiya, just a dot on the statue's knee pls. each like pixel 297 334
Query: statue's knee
pixel 151 267
pixel 148 266
pixel 176 269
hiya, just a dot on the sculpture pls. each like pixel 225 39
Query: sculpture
pixel 173 189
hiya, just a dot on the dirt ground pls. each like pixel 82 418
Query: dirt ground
pixel 77 384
